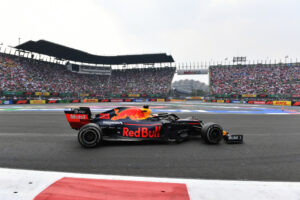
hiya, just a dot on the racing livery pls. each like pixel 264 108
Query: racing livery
pixel 132 124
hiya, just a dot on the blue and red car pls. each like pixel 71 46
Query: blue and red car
pixel 135 124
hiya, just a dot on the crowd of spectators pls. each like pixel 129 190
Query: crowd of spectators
pixel 28 75
pixel 282 79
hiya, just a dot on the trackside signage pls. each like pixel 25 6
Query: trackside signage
pixel 37 101
pixel 142 132
pixel 282 103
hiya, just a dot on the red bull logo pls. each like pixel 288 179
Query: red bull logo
pixel 143 132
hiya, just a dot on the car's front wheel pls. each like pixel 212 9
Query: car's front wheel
pixel 212 133
pixel 90 135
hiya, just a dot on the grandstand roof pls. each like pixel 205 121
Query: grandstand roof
pixel 67 53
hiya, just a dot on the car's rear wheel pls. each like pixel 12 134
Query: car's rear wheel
pixel 212 133
pixel 90 135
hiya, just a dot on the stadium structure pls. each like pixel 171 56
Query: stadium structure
pixel 42 69
pixel 45 70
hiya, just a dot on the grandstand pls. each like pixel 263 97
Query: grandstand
pixel 27 77
pixel 256 80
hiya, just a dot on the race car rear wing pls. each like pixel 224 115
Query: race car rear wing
pixel 77 117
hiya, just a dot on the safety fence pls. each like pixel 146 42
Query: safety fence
pixel 259 102
pixel 53 101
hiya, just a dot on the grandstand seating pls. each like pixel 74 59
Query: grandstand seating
pixel 23 74
pixel 276 79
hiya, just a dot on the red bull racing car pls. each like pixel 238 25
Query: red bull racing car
pixel 132 124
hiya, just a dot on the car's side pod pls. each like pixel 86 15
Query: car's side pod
pixel 78 117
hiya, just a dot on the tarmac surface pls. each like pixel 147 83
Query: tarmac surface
pixel 39 137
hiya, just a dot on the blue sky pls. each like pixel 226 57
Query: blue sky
pixel 190 30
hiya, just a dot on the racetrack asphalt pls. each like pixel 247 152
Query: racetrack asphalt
pixel 43 140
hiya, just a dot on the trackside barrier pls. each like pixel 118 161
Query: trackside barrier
pixel 138 100
pixel 296 103
pixel 76 101
pixel 52 101
pixel 104 100
pixel 116 100
pixel 128 100
pixel 90 101
pixel 64 101
pixel 21 102
pixel 152 100
pixel 37 101
pixel 269 102
pixel 178 100
pixel 7 102
pixel 220 101
pixel 160 100
pixel 227 101
pixel 256 102
pixel 282 103
pixel 0 102
pixel 235 101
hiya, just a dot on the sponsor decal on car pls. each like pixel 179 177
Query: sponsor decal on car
pixel 142 132
pixel 78 116
pixel 112 123
pixel 104 116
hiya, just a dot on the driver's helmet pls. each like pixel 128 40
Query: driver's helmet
pixel 147 112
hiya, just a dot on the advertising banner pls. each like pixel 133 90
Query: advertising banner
pixel 75 101
pixel 52 101
pixel 64 101
pixel 1 102
pixel 227 101
pixel 269 102
pixel 259 102
pixel 128 100
pixel 38 94
pixel 296 103
pixel 282 103
pixel 104 100
pixel 116 100
pixel 160 100
pixel 84 95
pixel 248 95
pixel 37 101
pixel 137 100
pixel 46 94
pixel 7 102
pixel 235 101
pixel 133 95
pixel 90 101
pixel 28 93
pixel 220 101
pixel 152 100
pixel 263 95
pixel 196 98
pixel 214 101
pixel 178 100
pixel 8 93
pixel 296 95
pixel 21 102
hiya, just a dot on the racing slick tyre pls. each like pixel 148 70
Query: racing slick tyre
pixel 90 135
pixel 212 133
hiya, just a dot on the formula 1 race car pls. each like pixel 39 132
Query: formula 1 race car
pixel 132 124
